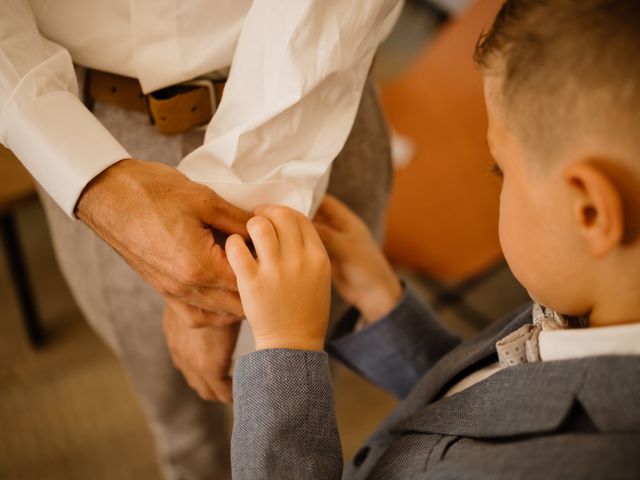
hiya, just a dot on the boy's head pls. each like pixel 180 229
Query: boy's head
pixel 562 87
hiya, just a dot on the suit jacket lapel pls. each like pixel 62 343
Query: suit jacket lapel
pixel 536 398
pixel 533 397
pixel 465 356
pixel 611 393
pixel 452 364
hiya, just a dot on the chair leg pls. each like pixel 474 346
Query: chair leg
pixel 17 266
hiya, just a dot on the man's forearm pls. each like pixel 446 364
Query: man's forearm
pixel 272 141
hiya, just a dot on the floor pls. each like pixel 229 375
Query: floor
pixel 67 410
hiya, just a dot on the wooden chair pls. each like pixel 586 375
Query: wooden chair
pixel 443 215
pixel 16 186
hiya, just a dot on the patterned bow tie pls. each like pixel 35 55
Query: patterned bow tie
pixel 521 346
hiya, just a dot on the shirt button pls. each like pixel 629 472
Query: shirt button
pixel 361 456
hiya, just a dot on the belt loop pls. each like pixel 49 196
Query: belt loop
pixel 147 108
pixel 87 99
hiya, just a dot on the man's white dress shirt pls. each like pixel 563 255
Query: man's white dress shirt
pixel 297 72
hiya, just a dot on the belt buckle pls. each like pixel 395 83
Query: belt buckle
pixel 195 83
pixel 213 97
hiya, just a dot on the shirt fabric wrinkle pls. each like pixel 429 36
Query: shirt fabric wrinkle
pixel 285 70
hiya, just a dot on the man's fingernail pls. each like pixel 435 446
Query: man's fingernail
pixel 259 208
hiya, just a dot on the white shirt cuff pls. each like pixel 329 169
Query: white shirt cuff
pixel 61 143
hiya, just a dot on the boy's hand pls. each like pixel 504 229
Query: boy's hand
pixel 285 291
pixel 361 273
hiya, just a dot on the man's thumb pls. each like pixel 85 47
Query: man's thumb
pixel 224 216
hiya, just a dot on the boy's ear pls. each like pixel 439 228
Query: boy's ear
pixel 597 206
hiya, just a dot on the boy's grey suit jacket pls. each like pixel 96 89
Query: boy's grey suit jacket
pixel 570 419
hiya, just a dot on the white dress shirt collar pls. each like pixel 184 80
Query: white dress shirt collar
pixel 587 342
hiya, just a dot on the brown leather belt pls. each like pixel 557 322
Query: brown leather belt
pixel 174 109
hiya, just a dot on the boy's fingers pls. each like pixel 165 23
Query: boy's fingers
pixel 285 223
pixel 264 237
pixel 239 256
pixel 325 232
pixel 321 215
pixel 328 237
pixel 310 236
pixel 335 213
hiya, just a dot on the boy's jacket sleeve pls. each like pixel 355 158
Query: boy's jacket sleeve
pixel 396 351
pixel 284 417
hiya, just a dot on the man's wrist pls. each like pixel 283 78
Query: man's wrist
pixel 93 194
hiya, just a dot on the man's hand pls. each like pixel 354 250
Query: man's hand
pixel 203 355
pixel 162 223
pixel 361 273
pixel 285 291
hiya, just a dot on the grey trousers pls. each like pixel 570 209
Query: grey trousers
pixel 190 436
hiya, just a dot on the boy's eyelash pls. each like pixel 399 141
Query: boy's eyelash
pixel 496 170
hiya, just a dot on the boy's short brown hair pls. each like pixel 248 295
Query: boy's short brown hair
pixel 569 71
